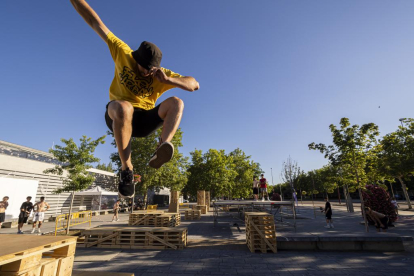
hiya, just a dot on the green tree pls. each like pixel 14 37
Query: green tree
pixel 397 154
pixel 104 167
pixel 290 174
pixel 349 149
pixel 74 160
pixel 245 170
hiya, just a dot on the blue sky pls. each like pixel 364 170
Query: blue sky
pixel 273 74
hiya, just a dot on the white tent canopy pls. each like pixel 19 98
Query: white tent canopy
pixel 95 198
pixel 96 191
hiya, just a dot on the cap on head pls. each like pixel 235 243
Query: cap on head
pixel 148 55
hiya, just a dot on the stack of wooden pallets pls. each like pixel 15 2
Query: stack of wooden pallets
pixel 192 214
pixel 260 232
pixel 202 208
pixel 136 237
pixel 27 255
pixel 155 218
pixel 168 220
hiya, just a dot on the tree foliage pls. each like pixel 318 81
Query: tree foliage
pixel 222 174
pixel 75 160
pixel 104 167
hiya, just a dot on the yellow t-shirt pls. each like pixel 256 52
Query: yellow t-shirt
pixel 127 84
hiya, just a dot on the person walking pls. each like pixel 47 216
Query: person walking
pixel 139 81
pixel 25 211
pixel 39 208
pixel 328 214
pixel 395 204
pixel 3 206
pixel 116 210
pixel 255 188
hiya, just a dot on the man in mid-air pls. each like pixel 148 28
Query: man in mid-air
pixel 139 81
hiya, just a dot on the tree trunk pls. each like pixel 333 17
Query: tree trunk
pixel 70 213
pixel 407 198
pixel 392 190
pixel 361 197
pixel 350 203
pixel 174 206
pixel 346 198
pixel 339 196
pixel 313 207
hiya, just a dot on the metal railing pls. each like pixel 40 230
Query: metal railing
pixel 76 219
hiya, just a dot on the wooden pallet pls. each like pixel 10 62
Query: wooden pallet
pixel 192 214
pixel 202 208
pixel 260 232
pixel 136 237
pixel 155 219
pixel 40 255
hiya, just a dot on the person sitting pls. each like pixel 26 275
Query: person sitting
pixel 380 220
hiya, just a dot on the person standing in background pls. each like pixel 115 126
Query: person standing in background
pixel 40 208
pixel 255 188
pixel 263 187
pixel 328 214
pixel 3 206
pixel 25 211
pixel 116 210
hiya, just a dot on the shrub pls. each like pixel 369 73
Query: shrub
pixel 276 197
pixel 379 200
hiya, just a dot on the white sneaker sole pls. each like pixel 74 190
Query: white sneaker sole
pixel 164 154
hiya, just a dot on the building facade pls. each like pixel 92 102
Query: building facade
pixel 19 162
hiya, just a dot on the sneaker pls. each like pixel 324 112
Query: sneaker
pixel 262 199
pixel 39 231
pixel 327 226
pixel 162 155
pixel 33 230
pixel 126 186
pixel 117 220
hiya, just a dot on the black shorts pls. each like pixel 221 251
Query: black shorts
pixel 328 215
pixel 255 191
pixel 2 217
pixel 144 122
pixel 23 218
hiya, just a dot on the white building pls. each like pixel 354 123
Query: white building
pixel 19 164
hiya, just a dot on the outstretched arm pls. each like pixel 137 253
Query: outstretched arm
pixel 91 17
pixel 186 83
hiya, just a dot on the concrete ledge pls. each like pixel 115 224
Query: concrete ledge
pixel 389 243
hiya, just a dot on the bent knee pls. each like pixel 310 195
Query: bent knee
pixel 177 102
pixel 120 110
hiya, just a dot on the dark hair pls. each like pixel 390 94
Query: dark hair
pixel 42 197
pixel 28 197
pixel 118 200
pixel 6 197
